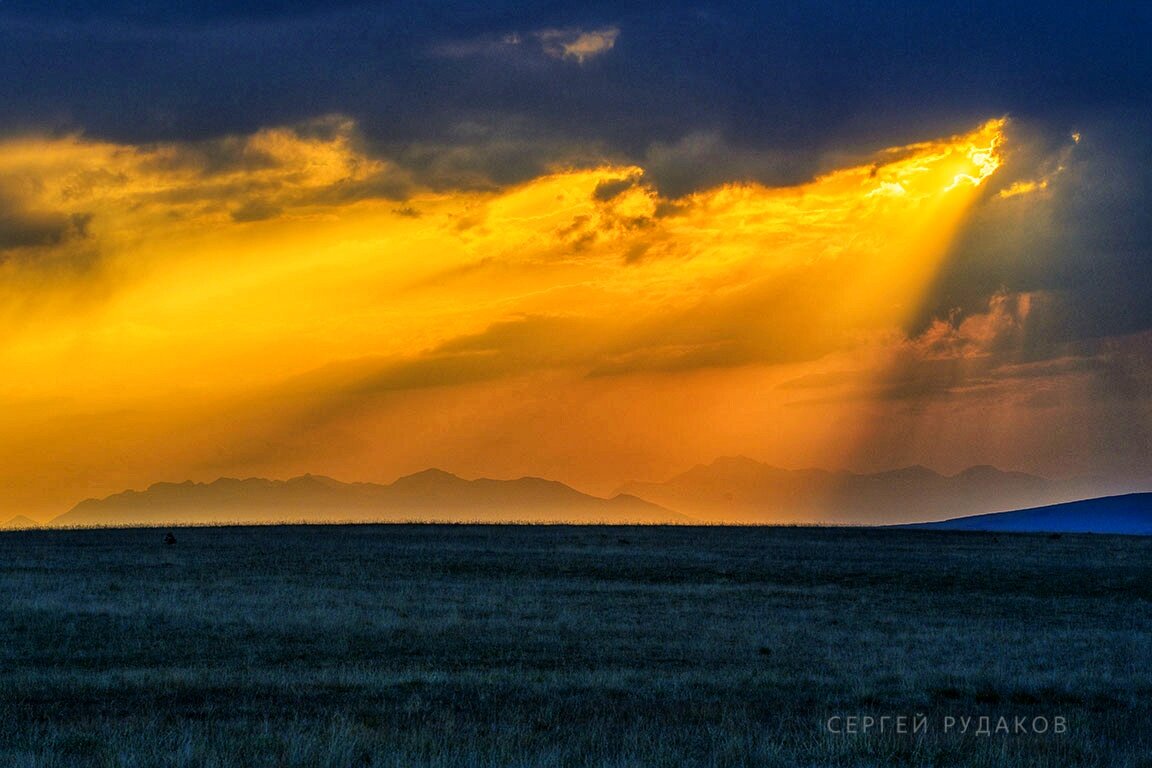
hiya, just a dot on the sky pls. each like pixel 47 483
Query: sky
pixel 596 242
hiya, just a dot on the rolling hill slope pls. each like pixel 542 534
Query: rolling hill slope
pixel 1127 514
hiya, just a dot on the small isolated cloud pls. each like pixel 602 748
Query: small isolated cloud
pixel 567 44
pixel 576 44
pixel 998 330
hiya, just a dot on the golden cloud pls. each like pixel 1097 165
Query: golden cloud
pixel 576 44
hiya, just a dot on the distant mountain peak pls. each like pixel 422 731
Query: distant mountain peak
pixel 320 481
pixel 427 478
pixel 20 522
pixel 735 461
pixel 431 473
pixel 980 472
pixel 911 469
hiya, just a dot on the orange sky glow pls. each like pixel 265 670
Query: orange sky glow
pixel 286 302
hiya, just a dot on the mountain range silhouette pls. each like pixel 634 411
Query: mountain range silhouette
pixel 728 490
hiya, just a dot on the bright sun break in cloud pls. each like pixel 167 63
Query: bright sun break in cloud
pixel 164 289
pixel 578 45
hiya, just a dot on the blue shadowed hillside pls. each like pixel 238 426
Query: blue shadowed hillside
pixel 1128 514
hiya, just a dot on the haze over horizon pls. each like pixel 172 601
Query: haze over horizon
pixel 579 242
pixel 729 490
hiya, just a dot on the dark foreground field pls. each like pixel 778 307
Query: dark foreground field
pixel 558 646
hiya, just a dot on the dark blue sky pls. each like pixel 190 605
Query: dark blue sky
pixel 767 75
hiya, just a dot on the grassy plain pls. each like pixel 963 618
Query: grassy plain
pixel 407 645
